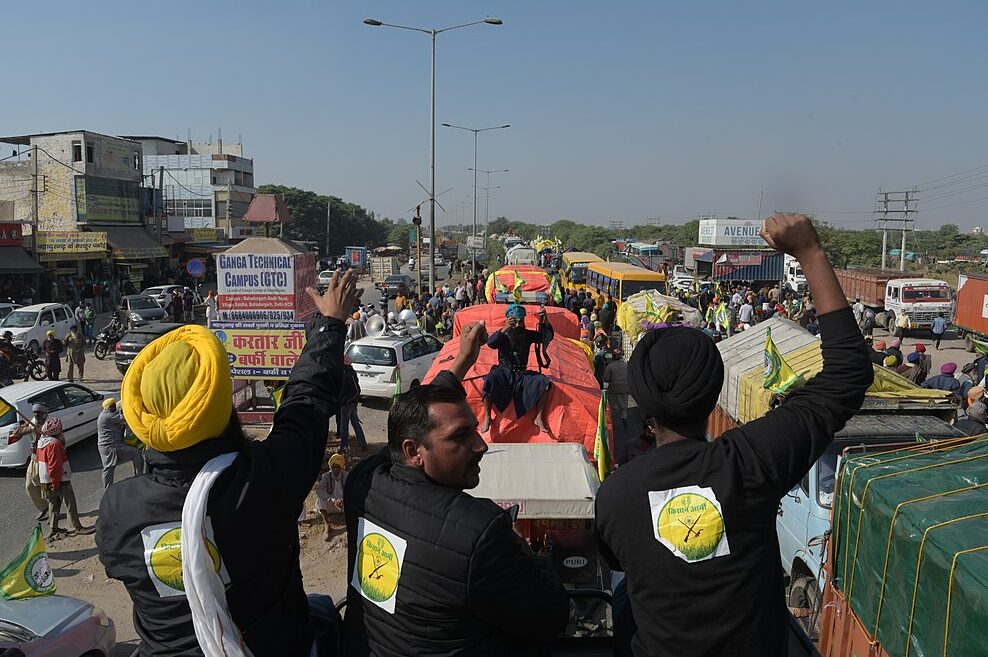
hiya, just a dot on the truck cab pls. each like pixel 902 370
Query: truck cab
pixel 803 522
pixel 795 280
pixel 920 298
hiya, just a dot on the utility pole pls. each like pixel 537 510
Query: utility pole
pixel 161 195
pixel 34 215
pixel 902 208
pixel 329 207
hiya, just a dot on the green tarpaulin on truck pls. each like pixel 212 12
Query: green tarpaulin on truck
pixel 911 546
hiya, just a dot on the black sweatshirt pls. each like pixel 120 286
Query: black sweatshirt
pixel 252 510
pixel 692 524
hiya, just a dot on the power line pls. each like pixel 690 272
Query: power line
pixel 953 175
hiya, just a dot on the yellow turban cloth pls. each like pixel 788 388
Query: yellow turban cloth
pixel 337 459
pixel 178 392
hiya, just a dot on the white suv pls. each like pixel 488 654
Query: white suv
pixel 30 324
pixel 377 361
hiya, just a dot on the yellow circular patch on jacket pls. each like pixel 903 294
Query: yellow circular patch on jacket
pixel 378 567
pixel 166 558
pixel 692 524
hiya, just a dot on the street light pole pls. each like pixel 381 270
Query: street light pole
pixel 475 131
pixel 433 32
pixel 487 211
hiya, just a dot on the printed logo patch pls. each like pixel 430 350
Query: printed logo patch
pixel 163 557
pixel 689 521
pixel 377 571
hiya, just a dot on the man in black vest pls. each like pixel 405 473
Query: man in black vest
pixel 433 570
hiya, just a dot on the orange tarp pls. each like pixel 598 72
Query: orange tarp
pixel 536 280
pixel 564 323
pixel 573 398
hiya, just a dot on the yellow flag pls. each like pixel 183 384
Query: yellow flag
pixel 4 407
pixel 601 450
pixel 519 284
pixel 498 285
pixel 779 377
pixel 649 307
pixel 30 574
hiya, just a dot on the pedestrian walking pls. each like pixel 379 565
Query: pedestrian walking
pixel 616 379
pixel 55 475
pixel 347 415
pixel 52 349
pixel 938 329
pixel 75 352
pixel 90 314
pixel 212 309
pixel 176 307
pixel 110 430
pixel 80 316
pixel 31 430
pixel 188 305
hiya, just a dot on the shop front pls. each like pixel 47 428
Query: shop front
pixel 69 257
pixel 21 274
pixel 138 259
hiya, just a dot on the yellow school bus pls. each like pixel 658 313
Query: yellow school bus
pixel 621 280
pixel 573 269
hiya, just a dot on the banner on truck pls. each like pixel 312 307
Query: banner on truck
pixel 261 350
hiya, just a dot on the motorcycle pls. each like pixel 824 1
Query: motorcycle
pixel 28 364
pixel 107 339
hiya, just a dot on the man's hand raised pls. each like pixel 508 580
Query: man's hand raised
pixel 472 337
pixel 791 233
pixel 340 296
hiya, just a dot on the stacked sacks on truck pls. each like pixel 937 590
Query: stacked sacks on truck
pixel 634 315
pixel 573 398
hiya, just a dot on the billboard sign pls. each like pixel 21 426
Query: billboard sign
pixel 731 232
pixel 260 350
pixel 70 245
pixel 11 234
pixel 106 201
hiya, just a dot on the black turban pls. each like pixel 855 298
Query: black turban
pixel 675 375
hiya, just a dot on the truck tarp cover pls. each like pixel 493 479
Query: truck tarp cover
pixel 536 280
pixel 911 546
pixel 545 481
pixel 574 397
pixel 631 313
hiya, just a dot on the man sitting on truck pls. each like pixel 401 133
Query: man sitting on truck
pixel 511 380
pixel 692 523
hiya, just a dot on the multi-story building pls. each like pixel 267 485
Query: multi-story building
pixel 79 197
pixel 204 185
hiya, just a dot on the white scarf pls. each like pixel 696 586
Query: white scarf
pixel 218 635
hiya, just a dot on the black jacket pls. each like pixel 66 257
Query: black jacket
pixel 466 584
pixel 253 508
pixel 715 503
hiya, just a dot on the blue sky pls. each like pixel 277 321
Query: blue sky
pixel 619 110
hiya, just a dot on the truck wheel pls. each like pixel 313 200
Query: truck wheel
pixel 805 594
pixel 890 322
pixel 968 343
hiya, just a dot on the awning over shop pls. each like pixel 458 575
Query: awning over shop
pixel 208 247
pixel 168 239
pixel 133 243
pixel 15 260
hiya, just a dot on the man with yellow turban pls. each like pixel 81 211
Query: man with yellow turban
pixel 206 541
pixel 110 428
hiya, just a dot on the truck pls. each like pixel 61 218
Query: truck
pixel 758 267
pixel 382 267
pixel 971 314
pixel 894 410
pixel 795 280
pixel 906 566
pixel 356 257
pixel 891 294
pixel 520 254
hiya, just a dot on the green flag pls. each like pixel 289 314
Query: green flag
pixel 601 450
pixel 30 574
pixel 779 377
pixel 980 347
pixel 397 380
pixel 519 284
pixel 498 285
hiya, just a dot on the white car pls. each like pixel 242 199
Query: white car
pixel 162 293
pixel 74 404
pixel 7 308
pixel 30 324
pixel 440 260
pixel 377 361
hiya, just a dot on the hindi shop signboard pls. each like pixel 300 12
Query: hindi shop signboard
pixel 260 350
pixel 731 232
pixel 264 287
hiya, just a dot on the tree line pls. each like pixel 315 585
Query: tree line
pixel 352 224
